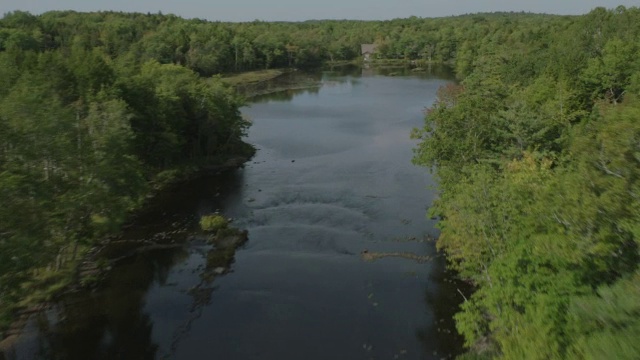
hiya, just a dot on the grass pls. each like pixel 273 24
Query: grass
pixel 45 285
pixel 252 77
pixel 356 61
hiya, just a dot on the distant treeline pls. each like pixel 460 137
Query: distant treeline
pixel 213 47
pixel 537 152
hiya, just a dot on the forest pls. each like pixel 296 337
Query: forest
pixel 536 148
pixel 537 151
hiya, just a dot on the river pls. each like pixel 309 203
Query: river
pixel 340 262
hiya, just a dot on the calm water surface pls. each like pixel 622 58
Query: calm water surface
pixel 332 178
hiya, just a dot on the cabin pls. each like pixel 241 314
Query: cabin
pixel 368 50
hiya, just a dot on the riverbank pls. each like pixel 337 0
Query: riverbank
pixel 91 264
pixel 262 82
pixel 153 233
pixel 253 77
pixel 251 84
pixel 80 266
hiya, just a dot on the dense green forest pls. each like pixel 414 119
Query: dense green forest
pixel 536 150
pixel 538 156
pixel 210 48
pixel 85 137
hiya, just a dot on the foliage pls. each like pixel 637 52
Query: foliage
pixel 85 132
pixel 213 222
pixel 210 48
pixel 537 150
pixel 607 322
pixel 252 77
pixel 538 161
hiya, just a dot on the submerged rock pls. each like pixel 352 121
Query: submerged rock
pixel 229 238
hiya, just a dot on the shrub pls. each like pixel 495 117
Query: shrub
pixel 213 222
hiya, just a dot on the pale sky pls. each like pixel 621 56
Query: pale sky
pixel 299 10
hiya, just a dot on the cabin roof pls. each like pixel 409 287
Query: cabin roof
pixel 368 48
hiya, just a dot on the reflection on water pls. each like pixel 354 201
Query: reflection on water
pixel 289 85
pixel 332 179
pixel 284 87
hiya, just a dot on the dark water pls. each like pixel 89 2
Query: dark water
pixel 332 178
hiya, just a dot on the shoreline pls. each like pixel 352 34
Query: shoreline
pixel 90 269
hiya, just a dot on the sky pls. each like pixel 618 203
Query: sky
pixel 300 10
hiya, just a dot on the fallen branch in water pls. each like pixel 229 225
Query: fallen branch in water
pixel 373 256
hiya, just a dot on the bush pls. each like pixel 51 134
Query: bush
pixel 213 222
